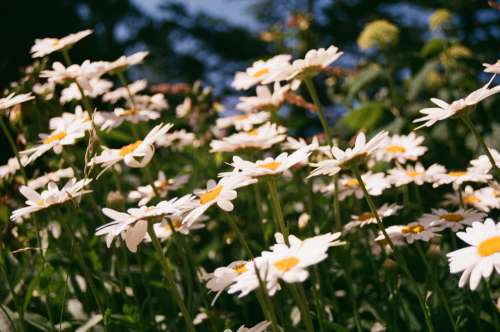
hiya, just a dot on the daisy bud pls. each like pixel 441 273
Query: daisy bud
pixel 115 199
pixel 389 264
pixel 304 220
pixel 434 251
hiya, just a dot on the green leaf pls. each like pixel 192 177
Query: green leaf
pixel 362 78
pixel 366 117
pixel 418 82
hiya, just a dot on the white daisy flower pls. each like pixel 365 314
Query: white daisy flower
pixel 178 139
pixel 183 108
pixel 345 159
pixel 265 99
pixel 445 110
pixel 367 218
pixel 163 185
pixel 223 277
pixel 483 254
pixel 65 134
pixel 261 327
pixel 11 167
pixel 12 100
pixel 375 184
pixel 457 178
pixel 156 102
pixel 220 193
pixel 492 68
pixel 122 93
pixel 110 120
pixel 96 87
pixel 413 231
pixel 123 62
pixel 67 118
pixel 482 164
pixel 453 220
pixel 483 199
pixel 260 138
pixel 417 174
pixel 401 148
pixel 55 176
pixel 53 195
pixel 81 74
pixel 260 70
pixel 132 225
pixel 137 154
pixel 163 230
pixel 293 143
pixel 45 46
pixel 269 166
pixel 242 122
pixel 313 63
pixel 44 90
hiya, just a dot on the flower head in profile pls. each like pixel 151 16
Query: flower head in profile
pixel 417 174
pixel 314 62
pixel 482 164
pixel 95 88
pixel 243 122
pixel 64 134
pixel 260 138
pixel 453 220
pixel 480 257
pixel 375 183
pixel 55 176
pixel 457 177
pixel 367 218
pixel 123 62
pixel 261 327
pixel 224 276
pixel 401 148
pixel 343 159
pixel 445 110
pixel 269 166
pixel 260 70
pixel 133 224
pixel 137 154
pixel 122 93
pixel 11 167
pixel 483 199
pixel 110 120
pixel 81 74
pixel 51 196
pixel 45 46
pixel 492 68
pixel 163 185
pixel 220 193
pixel 13 100
pixel 417 230
pixel 178 140
pixel 265 99
pixel 68 118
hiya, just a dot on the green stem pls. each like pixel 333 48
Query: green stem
pixel 265 302
pixel 124 81
pixel 13 147
pixel 440 291
pixel 400 259
pixel 299 297
pixel 278 212
pixel 170 279
pixel 19 308
pixel 258 202
pixel 352 292
pixel 322 117
pixel 239 235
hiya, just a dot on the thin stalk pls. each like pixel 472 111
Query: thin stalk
pixel 466 119
pixel 352 292
pixel 265 302
pixel 19 308
pixel 301 302
pixel 440 291
pixel 170 279
pixel 278 212
pixel 124 81
pixel 400 259
pixel 13 147
pixel 318 300
pixel 258 202
pixel 239 235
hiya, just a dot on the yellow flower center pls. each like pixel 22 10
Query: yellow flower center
pixel 365 216
pixel 471 199
pixel 352 183
pixel 273 165
pixel 457 173
pixel 413 229
pixel 55 42
pixel 241 117
pixel 129 148
pixel 452 217
pixel 254 132
pixel 413 174
pixel 177 223
pixel 395 149
pixel 240 268
pixel 286 264
pixel 211 194
pixel 129 112
pixel 40 202
pixel 55 137
pixel 489 247
pixel 261 72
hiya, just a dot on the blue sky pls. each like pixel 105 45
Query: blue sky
pixel 234 11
